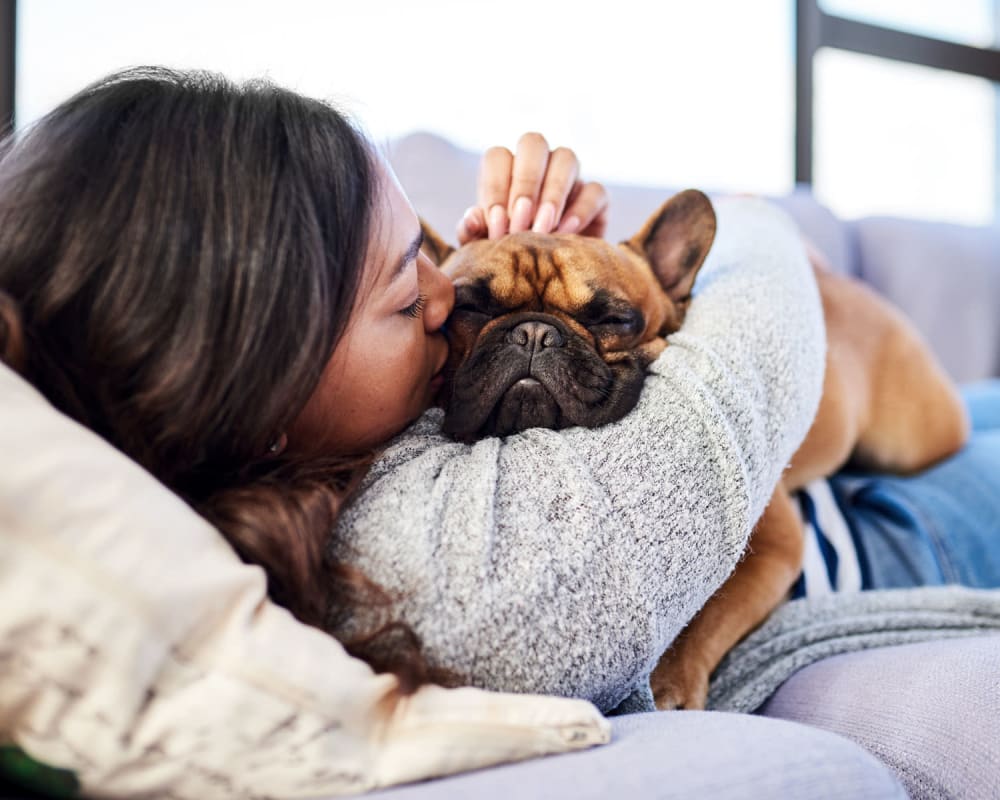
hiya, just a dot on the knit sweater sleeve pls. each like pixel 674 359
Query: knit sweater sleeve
pixel 565 562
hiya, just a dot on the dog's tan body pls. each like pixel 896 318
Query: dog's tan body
pixel 886 404
pixel 558 330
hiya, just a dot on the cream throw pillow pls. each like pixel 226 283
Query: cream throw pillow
pixel 138 651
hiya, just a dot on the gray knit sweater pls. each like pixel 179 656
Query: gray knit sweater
pixel 565 562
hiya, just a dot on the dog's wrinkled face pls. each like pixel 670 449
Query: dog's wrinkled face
pixel 557 330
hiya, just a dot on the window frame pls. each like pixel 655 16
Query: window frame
pixel 8 63
pixel 814 28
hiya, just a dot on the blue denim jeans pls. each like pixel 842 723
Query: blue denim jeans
pixel 939 526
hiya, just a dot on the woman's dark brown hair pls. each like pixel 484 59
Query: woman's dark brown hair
pixel 179 256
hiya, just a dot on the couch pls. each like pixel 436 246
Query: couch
pixel 946 278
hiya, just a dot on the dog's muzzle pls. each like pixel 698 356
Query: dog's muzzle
pixel 532 371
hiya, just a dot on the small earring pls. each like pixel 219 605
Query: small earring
pixel 278 445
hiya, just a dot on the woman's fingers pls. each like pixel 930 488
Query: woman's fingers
pixel 531 160
pixel 560 178
pixel 586 211
pixel 472 225
pixel 533 189
pixel 494 189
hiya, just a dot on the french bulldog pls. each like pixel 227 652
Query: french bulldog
pixel 557 330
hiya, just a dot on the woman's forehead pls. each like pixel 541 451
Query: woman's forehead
pixel 395 230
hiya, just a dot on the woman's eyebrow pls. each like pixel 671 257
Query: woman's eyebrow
pixel 408 256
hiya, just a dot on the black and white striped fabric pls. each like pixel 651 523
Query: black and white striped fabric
pixel 830 562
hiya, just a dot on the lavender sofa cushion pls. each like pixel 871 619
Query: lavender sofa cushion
pixel 438 177
pixel 929 711
pixel 683 754
pixel 944 277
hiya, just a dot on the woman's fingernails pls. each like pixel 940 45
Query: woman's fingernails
pixel 570 225
pixel 520 219
pixel 546 219
pixel 497 221
pixel 470 219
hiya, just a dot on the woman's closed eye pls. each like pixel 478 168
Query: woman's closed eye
pixel 416 308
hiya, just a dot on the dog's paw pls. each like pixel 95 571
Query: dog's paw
pixel 679 682
pixel 681 695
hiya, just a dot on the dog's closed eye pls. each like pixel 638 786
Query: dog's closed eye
pixel 620 323
pixel 607 315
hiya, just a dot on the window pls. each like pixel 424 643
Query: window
pixel 654 93
pixel 679 94
pixel 895 138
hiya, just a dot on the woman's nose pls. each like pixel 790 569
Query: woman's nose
pixel 438 290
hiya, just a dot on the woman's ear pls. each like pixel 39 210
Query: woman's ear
pixel 676 239
pixel 434 246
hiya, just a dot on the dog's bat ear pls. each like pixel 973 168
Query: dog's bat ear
pixel 676 239
pixel 435 247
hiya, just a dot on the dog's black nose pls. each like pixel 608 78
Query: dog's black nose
pixel 534 335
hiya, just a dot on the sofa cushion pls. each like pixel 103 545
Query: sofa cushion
pixel 677 755
pixel 931 711
pixel 946 279
pixel 438 177
pixel 824 229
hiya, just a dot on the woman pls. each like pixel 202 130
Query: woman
pixel 227 285
pixel 257 315
pixel 237 435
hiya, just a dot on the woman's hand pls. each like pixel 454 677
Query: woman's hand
pixel 534 189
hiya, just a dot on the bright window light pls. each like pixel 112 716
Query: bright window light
pixel 903 140
pixel 653 93
pixel 666 94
